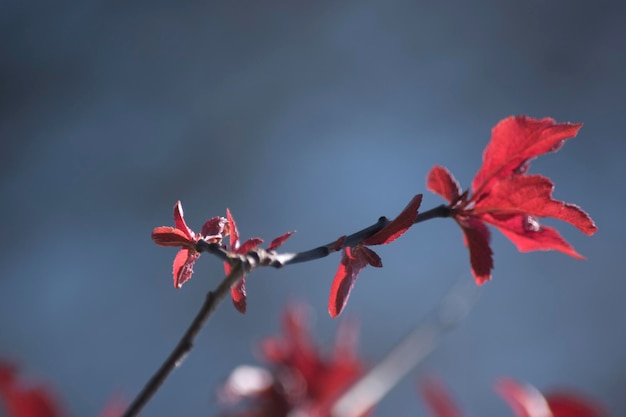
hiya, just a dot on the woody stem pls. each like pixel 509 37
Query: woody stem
pixel 175 359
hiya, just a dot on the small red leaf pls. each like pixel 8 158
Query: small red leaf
pixel 477 238
pixel 169 236
pixel 437 398
pixel 532 195
pixel 338 244
pixel 183 266
pixel 442 182
pixel 20 399
pixel 179 220
pixel 370 256
pixel 249 245
pixel 280 240
pixel 213 229
pixel 238 294
pixel 568 405
pixel 528 235
pixel 524 400
pixel 349 268
pixel 398 226
pixel 234 233
pixel 514 142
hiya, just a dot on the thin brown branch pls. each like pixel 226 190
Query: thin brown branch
pixel 243 264
pixel 185 344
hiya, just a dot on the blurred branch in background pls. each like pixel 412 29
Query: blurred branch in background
pixel 422 340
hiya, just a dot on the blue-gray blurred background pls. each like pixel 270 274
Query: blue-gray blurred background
pixel 314 116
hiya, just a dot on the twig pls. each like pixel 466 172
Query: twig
pixel 243 264
pixel 185 344
pixel 371 388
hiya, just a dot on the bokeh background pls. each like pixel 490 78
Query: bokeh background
pixel 314 116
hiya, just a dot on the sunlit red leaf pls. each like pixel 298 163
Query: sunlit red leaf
pixel 280 240
pixel 214 229
pixel 169 236
pixel 437 398
pixel 179 220
pixel 249 245
pixel 238 294
pixel 528 235
pixel 514 142
pixel 477 237
pixel 524 400
pixel 234 233
pixel 183 266
pixel 442 182
pixel 398 226
pixel 568 405
pixel 349 267
pixel 532 195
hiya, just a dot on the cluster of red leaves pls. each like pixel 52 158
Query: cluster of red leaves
pixel 524 400
pixel 504 196
pixel 355 258
pixel 300 380
pixel 213 231
pixel 22 399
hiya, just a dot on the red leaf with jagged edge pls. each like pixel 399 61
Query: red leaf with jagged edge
pixel 170 236
pixel 25 400
pixel 280 240
pixel 352 262
pixel 398 226
pixel 568 405
pixel 477 237
pixel 234 233
pixel 183 266
pixel 437 398
pixel 528 235
pixel 514 142
pixel 532 195
pixel 179 220
pixel 442 182
pixel 215 229
pixel 249 245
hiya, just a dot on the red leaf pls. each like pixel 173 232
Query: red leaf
pixel 280 240
pixel 370 256
pixel 514 142
pixel 437 398
pixel 179 220
pixel 234 233
pixel 568 405
pixel 442 182
pixel 528 235
pixel 213 230
pixel 169 236
pixel 338 244
pixel 524 400
pixel 398 226
pixel 477 238
pixel 24 400
pixel 238 294
pixel 249 244
pixel 183 266
pixel 532 195
pixel 349 268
